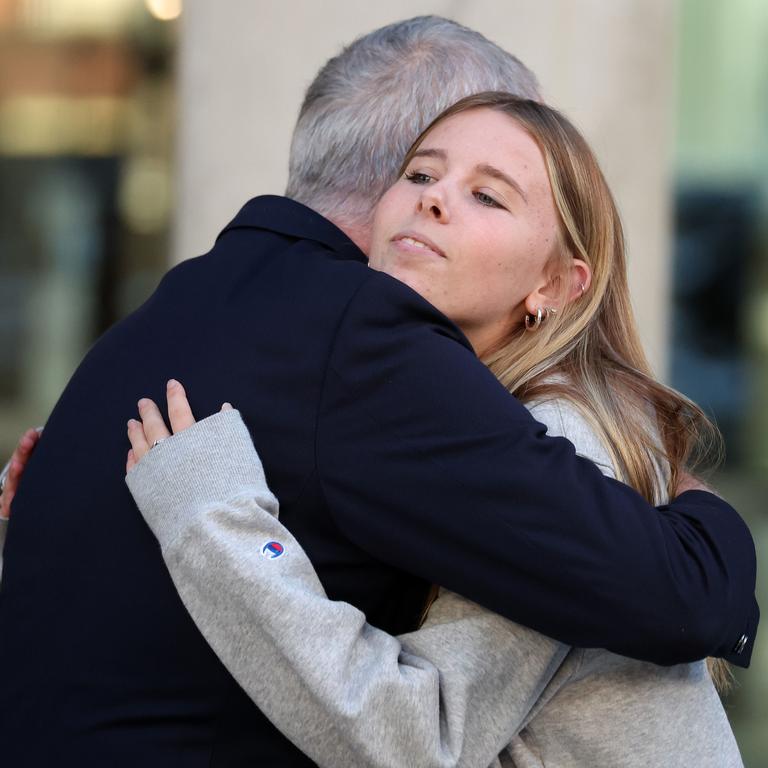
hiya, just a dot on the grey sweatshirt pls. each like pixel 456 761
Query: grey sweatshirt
pixel 468 689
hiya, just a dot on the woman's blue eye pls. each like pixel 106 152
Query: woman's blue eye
pixel 487 200
pixel 418 178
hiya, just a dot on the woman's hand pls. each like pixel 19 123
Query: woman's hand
pixel 16 466
pixel 144 434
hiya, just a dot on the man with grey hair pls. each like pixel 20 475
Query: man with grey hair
pixel 367 105
pixel 378 428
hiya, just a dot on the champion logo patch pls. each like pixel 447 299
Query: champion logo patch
pixel 273 550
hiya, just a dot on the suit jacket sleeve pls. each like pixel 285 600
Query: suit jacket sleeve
pixel 430 465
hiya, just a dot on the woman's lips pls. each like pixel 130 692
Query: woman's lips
pixel 413 242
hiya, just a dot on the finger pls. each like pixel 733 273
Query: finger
pixel 152 419
pixel 227 407
pixel 139 443
pixel 15 471
pixel 5 502
pixel 179 412
pixel 19 460
pixel 130 462
pixel 21 454
pixel 27 444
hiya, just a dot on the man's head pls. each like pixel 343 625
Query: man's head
pixel 368 104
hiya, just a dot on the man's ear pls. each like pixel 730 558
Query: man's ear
pixel 550 294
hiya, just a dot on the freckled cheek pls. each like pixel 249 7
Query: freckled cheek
pixel 468 290
pixel 536 247
pixel 501 260
pixel 396 203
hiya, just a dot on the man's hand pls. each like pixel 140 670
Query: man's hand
pixel 16 467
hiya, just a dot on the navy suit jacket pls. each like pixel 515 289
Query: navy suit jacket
pixel 398 460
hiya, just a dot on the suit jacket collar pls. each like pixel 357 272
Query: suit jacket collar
pixel 287 217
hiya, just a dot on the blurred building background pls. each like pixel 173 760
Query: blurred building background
pixel 132 130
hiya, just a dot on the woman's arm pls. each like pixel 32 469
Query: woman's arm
pixel 453 693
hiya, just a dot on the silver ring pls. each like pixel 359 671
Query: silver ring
pixel 157 442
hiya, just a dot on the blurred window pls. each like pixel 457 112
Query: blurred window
pixel 86 136
pixel 719 335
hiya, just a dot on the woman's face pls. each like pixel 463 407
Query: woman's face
pixel 471 224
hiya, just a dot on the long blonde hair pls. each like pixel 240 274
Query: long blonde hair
pixel 590 352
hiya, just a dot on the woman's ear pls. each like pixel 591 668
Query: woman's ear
pixel 580 279
pixel 551 294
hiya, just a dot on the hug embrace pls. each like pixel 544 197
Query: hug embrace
pixel 467 534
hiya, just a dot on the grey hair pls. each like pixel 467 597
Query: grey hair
pixel 367 105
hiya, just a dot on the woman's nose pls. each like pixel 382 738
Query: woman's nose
pixel 433 204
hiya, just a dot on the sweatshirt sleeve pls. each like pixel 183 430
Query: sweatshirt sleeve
pixel 452 694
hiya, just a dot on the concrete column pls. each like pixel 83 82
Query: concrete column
pixel 244 65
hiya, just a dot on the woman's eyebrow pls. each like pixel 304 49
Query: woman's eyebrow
pixel 440 154
pixel 489 170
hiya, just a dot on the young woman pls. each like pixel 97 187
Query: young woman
pixel 504 222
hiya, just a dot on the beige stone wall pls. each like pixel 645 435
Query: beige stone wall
pixel 244 65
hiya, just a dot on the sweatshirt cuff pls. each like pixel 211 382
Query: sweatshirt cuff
pixel 210 462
